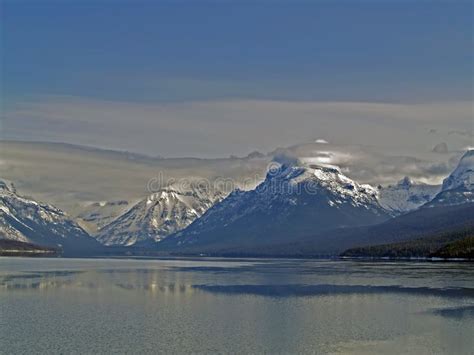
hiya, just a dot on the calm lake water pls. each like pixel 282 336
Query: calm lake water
pixel 90 306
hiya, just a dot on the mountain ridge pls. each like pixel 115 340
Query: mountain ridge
pixel 158 215
pixel 23 219
pixel 406 195
pixel 282 205
pixel 458 187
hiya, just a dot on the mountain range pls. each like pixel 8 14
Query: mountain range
pixel 160 214
pixel 23 219
pixel 316 210
pixel 295 200
pixel 301 207
pixel 407 195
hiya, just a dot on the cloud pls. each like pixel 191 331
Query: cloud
pixel 221 128
pixel 464 133
pixel 375 165
pixel 441 148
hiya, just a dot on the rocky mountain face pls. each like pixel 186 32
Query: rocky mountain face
pixel 160 214
pixel 407 195
pixel 296 199
pixel 26 220
pixel 458 187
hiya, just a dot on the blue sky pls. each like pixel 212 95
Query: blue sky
pixel 167 51
pixel 212 78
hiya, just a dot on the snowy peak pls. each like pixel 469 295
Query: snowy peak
pixel 458 187
pixel 407 195
pixel 312 177
pixel 296 199
pixel 26 220
pixel 298 180
pixel 160 214
pixel 95 215
pixel 463 175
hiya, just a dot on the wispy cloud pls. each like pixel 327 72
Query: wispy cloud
pixel 220 128
pixel 376 165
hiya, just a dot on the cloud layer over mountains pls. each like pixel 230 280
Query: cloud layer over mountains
pixel 221 128
pixel 71 176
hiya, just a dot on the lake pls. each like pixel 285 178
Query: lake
pixel 90 306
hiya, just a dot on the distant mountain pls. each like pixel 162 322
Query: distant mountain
pixel 458 187
pixel 294 200
pixel 162 213
pixel 437 223
pixel 25 220
pixel 71 177
pixel 95 216
pixel 406 195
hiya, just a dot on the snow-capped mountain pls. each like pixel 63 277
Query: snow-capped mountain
pixel 458 187
pixel 463 175
pixel 294 200
pixel 407 195
pixel 97 215
pixel 159 215
pixel 25 220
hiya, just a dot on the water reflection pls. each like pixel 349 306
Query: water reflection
pixel 35 275
pixel 154 280
pixel 321 290
pixel 132 279
pixel 129 306
pixel 456 312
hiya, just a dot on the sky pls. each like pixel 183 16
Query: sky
pixel 213 78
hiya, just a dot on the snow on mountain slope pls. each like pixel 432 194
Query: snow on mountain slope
pixel 96 215
pixel 296 199
pixel 463 175
pixel 458 187
pixel 159 215
pixel 23 219
pixel 406 195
